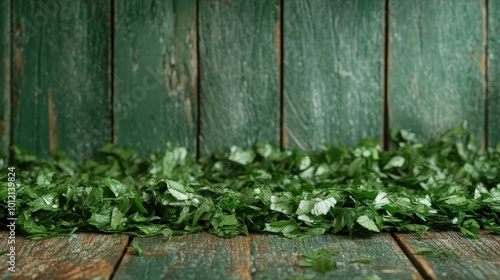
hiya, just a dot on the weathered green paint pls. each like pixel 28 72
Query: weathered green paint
pixel 475 258
pixel 195 256
pixel 240 57
pixel 155 77
pixel 276 257
pixel 333 71
pixel 81 256
pixel 494 72
pixel 5 64
pixel 61 76
pixel 437 66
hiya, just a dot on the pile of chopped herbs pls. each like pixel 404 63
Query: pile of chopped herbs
pixel 448 183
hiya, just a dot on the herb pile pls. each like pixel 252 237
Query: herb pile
pixel 448 183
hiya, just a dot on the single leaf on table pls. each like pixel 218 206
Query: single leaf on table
pixel 366 222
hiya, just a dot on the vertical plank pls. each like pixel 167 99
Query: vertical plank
pixel 239 57
pixel 475 258
pixel 494 72
pixel 61 76
pixel 275 257
pixel 333 67
pixel 155 73
pixel 437 66
pixel 5 47
pixel 195 256
pixel 81 256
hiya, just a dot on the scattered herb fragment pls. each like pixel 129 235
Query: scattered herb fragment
pixel 320 261
pixel 134 246
pixel 434 253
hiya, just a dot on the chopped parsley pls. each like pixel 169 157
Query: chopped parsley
pixel 447 183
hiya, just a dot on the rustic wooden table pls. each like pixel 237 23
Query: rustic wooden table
pixel 258 256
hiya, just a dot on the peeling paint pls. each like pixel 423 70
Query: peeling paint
pixel 18 57
pixel 386 82
pixel 414 85
pixel 194 59
pixel 482 64
pixel 2 127
pixel 52 122
pixel 18 76
pixel 482 61
pixel 277 47
pixel 188 112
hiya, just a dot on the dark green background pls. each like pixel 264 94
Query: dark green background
pixel 208 74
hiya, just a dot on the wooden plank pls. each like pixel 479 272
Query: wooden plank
pixel 61 76
pixel 333 71
pixel 437 66
pixel 494 72
pixel 155 73
pixel 239 56
pixel 5 75
pixel 475 258
pixel 276 257
pixel 81 256
pixel 194 256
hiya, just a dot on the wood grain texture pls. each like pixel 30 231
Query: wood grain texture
pixel 155 73
pixel 260 256
pixel 494 72
pixel 275 257
pixel 61 76
pixel 239 57
pixel 475 258
pixel 5 47
pixel 81 256
pixel 333 71
pixel 437 66
pixel 195 256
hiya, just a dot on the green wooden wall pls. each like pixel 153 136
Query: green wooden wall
pixel 155 73
pixel 437 66
pixel 493 65
pixel 333 86
pixel 208 74
pixel 60 76
pixel 239 72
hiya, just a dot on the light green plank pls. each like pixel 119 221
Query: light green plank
pixel 276 257
pixel 5 63
pixel 61 76
pixel 437 57
pixel 155 74
pixel 474 258
pixel 240 57
pixel 195 256
pixel 333 67
pixel 494 72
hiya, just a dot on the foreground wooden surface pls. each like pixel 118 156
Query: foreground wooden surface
pixel 81 256
pixel 475 258
pixel 258 256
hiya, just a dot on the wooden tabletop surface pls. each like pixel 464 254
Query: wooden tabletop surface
pixel 258 256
